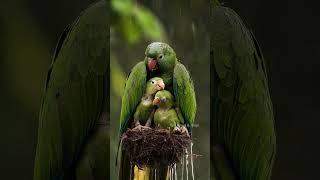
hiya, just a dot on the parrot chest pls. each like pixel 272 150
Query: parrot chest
pixel 165 118
pixel 144 110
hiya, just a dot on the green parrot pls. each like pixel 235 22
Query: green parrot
pixel 73 139
pixel 165 115
pixel 160 61
pixel 145 110
pixel 243 141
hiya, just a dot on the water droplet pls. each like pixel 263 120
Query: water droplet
pixel 191 157
pixel 171 173
pixel 182 165
pixel 175 172
pixel 131 172
pixel 193 27
pixel 187 163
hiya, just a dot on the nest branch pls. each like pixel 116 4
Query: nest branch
pixel 154 147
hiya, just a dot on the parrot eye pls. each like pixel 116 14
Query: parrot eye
pixel 153 82
pixel 161 56
pixel 163 99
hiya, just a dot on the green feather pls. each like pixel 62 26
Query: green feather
pixel 75 94
pixel 184 94
pixel 165 115
pixel 133 92
pixel 173 74
pixel 242 119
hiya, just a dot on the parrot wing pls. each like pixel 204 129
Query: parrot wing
pixel 184 94
pixel 133 92
pixel 75 93
pixel 242 119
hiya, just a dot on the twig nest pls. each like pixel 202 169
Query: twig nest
pixel 154 147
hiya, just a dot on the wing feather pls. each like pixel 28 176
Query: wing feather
pixel 74 93
pixel 133 92
pixel 184 94
pixel 242 119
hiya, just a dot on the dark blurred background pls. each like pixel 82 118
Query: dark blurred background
pixel 289 35
pixel 29 31
pixel 288 32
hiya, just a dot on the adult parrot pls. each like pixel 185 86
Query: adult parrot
pixel 243 141
pixel 73 139
pixel 160 61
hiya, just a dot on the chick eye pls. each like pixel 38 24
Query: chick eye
pixel 153 81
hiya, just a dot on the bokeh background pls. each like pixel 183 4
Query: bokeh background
pixel 288 32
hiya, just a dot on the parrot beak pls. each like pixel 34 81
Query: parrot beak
pixel 156 101
pixel 160 86
pixel 152 64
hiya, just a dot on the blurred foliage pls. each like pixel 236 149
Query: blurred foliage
pixel 24 45
pixel 25 57
pixel 117 79
pixel 135 21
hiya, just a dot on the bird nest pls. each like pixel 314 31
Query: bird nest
pixel 154 147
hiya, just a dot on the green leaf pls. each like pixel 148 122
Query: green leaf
pixel 117 78
pixel 137 22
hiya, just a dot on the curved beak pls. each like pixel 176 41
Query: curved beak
pixel 152 64
pixel 160 85
pixel 156 101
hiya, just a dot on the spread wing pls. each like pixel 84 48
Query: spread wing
pixel 75 93
pixel 133 92
pixel 242 119
pixel 184 94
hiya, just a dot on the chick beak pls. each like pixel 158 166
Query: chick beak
pixel 160 86
pixel 152 64
pixel 156 101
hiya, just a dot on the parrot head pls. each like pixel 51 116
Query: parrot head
pixel 154 85
pixel 163 99
pixel 160 56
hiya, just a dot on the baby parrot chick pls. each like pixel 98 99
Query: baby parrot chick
pixel 166 116
pixel 145 110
